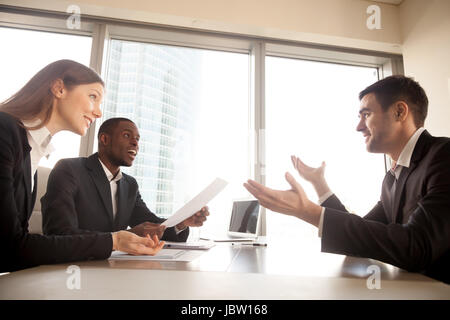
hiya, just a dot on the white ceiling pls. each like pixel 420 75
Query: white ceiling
pixel 394 2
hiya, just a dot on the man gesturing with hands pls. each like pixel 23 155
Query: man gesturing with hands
pixel 410 226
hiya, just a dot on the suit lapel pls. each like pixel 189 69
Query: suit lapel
pixel 101 182
pixel 418 154
pixel 399 192
pixel 26 167
pixel 27 180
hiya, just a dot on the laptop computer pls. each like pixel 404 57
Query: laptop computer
pixel 244 221
pixel 245 217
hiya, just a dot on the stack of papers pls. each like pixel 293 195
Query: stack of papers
pixel 164 254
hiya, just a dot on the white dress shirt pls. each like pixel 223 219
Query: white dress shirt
pixel 113 185
pixel 404 160
pixel 40 143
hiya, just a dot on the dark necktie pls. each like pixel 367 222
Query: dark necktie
pixel 391 182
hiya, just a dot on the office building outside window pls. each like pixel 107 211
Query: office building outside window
pixel 153 85
pixel 191 108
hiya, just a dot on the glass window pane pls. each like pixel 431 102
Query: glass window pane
pixel 191 108
pixel 25 54
pixel 312 112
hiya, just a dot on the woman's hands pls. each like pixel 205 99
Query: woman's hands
pixel 133 244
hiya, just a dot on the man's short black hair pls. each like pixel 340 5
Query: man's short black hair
pixel 395 88
pixel 110 125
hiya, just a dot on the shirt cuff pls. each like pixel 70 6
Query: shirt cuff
pixel 177 231
pixel 325 196
pixel 321 222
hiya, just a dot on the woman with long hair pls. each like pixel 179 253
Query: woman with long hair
pixel 65 95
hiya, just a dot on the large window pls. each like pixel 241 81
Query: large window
pixel 23 54
pixel 192 110
pixel 312 112
pixel 213 105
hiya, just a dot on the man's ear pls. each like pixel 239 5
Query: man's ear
pixel 104 139
pixel 58 89
pixel 401 110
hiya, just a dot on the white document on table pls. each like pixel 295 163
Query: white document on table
pixel 197 245
pixel 198 202
pixel 163 255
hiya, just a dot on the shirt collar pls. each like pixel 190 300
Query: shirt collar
pixel 42 137
pixel 405 156
pixel 109 175
pixel 404 159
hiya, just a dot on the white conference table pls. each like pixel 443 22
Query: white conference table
pixel 226 272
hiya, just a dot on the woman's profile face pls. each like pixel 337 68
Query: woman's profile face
pixel 78 107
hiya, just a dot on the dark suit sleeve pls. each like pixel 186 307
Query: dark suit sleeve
pixel 59 213
pixel 141 214
pixel 334 203
pixel 21 249
pixel 413 246
pixel 376 214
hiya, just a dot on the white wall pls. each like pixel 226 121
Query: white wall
pixel 333 22
pixel 425 27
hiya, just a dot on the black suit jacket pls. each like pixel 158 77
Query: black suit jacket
pixel 415 234
pixel 78 200
pixel 19 248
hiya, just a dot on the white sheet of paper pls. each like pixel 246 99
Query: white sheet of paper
pixel 192 245
pixel 163 255
pixel 198 202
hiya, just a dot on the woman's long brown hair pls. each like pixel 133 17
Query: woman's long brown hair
pixel 35 99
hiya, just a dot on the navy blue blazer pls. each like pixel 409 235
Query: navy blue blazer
pixel 414 233
pixel 78 200
pixel 19 248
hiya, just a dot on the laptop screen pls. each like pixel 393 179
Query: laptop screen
pixel 244 217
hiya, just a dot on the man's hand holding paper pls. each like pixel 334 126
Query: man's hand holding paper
pixel 196 220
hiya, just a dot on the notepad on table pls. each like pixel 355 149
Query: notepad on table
pixel 197 245
pixel 164 254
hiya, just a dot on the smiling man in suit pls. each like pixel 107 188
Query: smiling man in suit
pixel 92 194
pixel 410 226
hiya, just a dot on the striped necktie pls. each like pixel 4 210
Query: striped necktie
pixel 391 181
